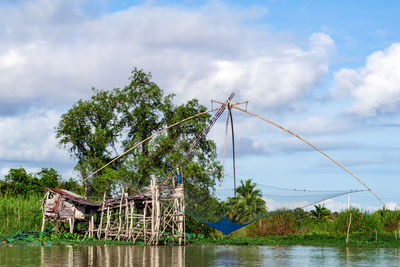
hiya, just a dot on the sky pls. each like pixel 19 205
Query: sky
pixel 327 70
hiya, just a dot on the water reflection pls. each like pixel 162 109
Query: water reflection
pixel 197 256
pixel 114 256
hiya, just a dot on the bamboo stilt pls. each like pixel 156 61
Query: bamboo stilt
pixel 108 223
pixel 119 214
pixel 101 217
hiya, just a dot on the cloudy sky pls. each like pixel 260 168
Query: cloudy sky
pixel 329 72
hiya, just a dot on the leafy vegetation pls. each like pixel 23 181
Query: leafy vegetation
pixel 247 204
pixel 20 183
pixel 315 239
pixel 320 212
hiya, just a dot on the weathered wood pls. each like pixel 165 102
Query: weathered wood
pixel 101 218
pixel 119 213
pixel 107 224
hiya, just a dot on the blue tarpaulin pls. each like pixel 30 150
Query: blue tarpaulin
pixel 226 226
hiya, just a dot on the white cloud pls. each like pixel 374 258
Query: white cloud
pixel 30 138
pixel 392 206
pixel 205 53
pixel 316 125
pixel 334 205
pixel 375 87
pixel 3 172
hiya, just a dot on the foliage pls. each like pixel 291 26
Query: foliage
pixel 320 212
pixel 282 224
pixel 247 204
pixel 313 239
pixel 389 219
pixel 360 222
pixel 96 130
pixel 22 184
pixel 48 177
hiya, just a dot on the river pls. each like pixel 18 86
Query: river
pixel 194 255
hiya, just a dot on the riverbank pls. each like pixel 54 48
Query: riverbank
pixel 309 239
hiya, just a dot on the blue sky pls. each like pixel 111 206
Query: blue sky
pixel 329 71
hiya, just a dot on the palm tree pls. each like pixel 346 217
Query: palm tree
pixel 321 212
pixel 247 204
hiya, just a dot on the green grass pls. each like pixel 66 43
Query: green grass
pixel 20 214
pixel 311 239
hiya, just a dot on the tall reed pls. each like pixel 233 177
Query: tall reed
pixel 19 213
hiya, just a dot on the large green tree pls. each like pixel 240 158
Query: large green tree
pixel 98 129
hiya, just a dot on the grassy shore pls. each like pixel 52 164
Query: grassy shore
pixel 20 220
pixel 48 238
pixel 311 239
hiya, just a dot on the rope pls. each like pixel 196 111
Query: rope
pixel 148 138
pixel 316 148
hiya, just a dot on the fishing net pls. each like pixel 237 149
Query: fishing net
pixel 227 213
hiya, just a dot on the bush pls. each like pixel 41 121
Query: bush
pixel 276 225
pixel 361 221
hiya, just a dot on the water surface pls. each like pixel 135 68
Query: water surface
pixel 193 255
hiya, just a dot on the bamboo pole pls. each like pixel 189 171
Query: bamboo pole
pixel 131 223
pixel 158 215
pixel 144 223
pixel 316 148
pixel 126 216
pixel 108 223
pixel 119 214
pixel 101 217
pixel 348 230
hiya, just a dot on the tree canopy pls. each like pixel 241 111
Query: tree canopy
pixel 97 130
pixel 18 182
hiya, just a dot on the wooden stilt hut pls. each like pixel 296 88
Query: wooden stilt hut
pixel 62 206
pixel 154 215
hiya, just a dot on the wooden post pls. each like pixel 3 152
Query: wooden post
pixel 91 224
pixel 71 222
pixel 108 223
pixel 119 213
pixel 131 223
pixel 153 200
pixel 144 222
pixel 158 216
pixel 348 230
pixel 101 217
pixel 126 216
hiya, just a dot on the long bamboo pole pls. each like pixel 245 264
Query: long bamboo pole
pixel 316 148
